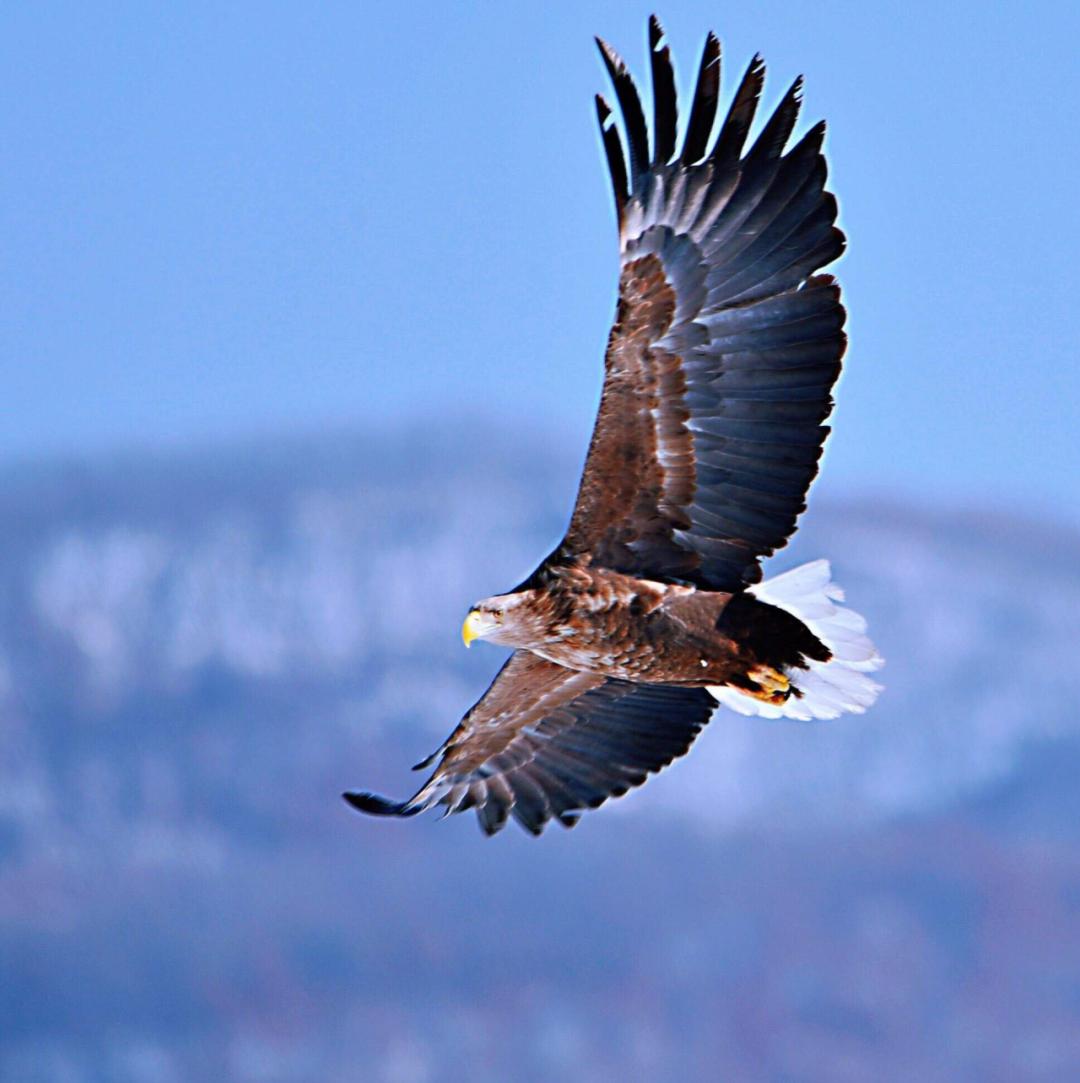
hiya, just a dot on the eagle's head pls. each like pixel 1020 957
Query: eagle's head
pixel 509 619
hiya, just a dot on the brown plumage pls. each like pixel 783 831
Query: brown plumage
pixel 718 378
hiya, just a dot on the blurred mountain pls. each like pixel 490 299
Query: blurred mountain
pixel 199 652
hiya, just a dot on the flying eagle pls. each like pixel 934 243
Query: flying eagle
pixel 717 381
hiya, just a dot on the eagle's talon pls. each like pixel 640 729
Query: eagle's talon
pixel 774 686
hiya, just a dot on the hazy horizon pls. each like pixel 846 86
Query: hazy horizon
pixel 198 654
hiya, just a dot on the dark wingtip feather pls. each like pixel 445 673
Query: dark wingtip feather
pixel 732 137
pixel 492 817
pixel 703 110
pixel 774 136
pixel 665 98
pixel 534 827
pixel 614 154
pixel 374 805
pixel 811 142
pixel 637 134
pixel 822 281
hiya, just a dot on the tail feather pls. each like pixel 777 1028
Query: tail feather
pixel 825 689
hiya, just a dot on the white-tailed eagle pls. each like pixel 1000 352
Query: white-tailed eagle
pixel 717 383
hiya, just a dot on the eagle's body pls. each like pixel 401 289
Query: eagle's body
pixel 600 621
pixel 718 377
pixel 636 630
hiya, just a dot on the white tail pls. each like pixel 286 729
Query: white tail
pixel 828 688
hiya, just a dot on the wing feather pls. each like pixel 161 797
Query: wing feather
pixel 740 117
pixel 545 742
pixel 665 101
pixel 770 144
pixel 613 150
pixel 703 110
pixel 726 343
pixel 637 131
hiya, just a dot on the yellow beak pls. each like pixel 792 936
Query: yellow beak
pixel 470 630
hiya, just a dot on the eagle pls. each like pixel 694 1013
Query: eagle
pixel 718 375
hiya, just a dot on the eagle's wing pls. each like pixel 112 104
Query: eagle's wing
pixel 724 350
pixel 547 742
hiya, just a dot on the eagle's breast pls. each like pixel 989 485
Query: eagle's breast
pixel 636 629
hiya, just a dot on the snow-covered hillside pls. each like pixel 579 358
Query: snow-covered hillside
pixel 198 654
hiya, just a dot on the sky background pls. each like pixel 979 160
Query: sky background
pixel 225 228
pixel 236 222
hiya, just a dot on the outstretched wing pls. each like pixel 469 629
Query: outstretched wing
pixel 547 742
pixel 725 347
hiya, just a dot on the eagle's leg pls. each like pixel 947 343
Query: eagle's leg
pixel 769 685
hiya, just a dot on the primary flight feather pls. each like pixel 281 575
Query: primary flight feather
pixel 717 382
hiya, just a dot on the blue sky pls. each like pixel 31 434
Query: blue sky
pixel 233 222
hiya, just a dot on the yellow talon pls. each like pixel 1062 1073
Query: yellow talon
pixel 775 687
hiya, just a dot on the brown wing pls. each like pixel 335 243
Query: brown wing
pixel 546 742
pixel 720 365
